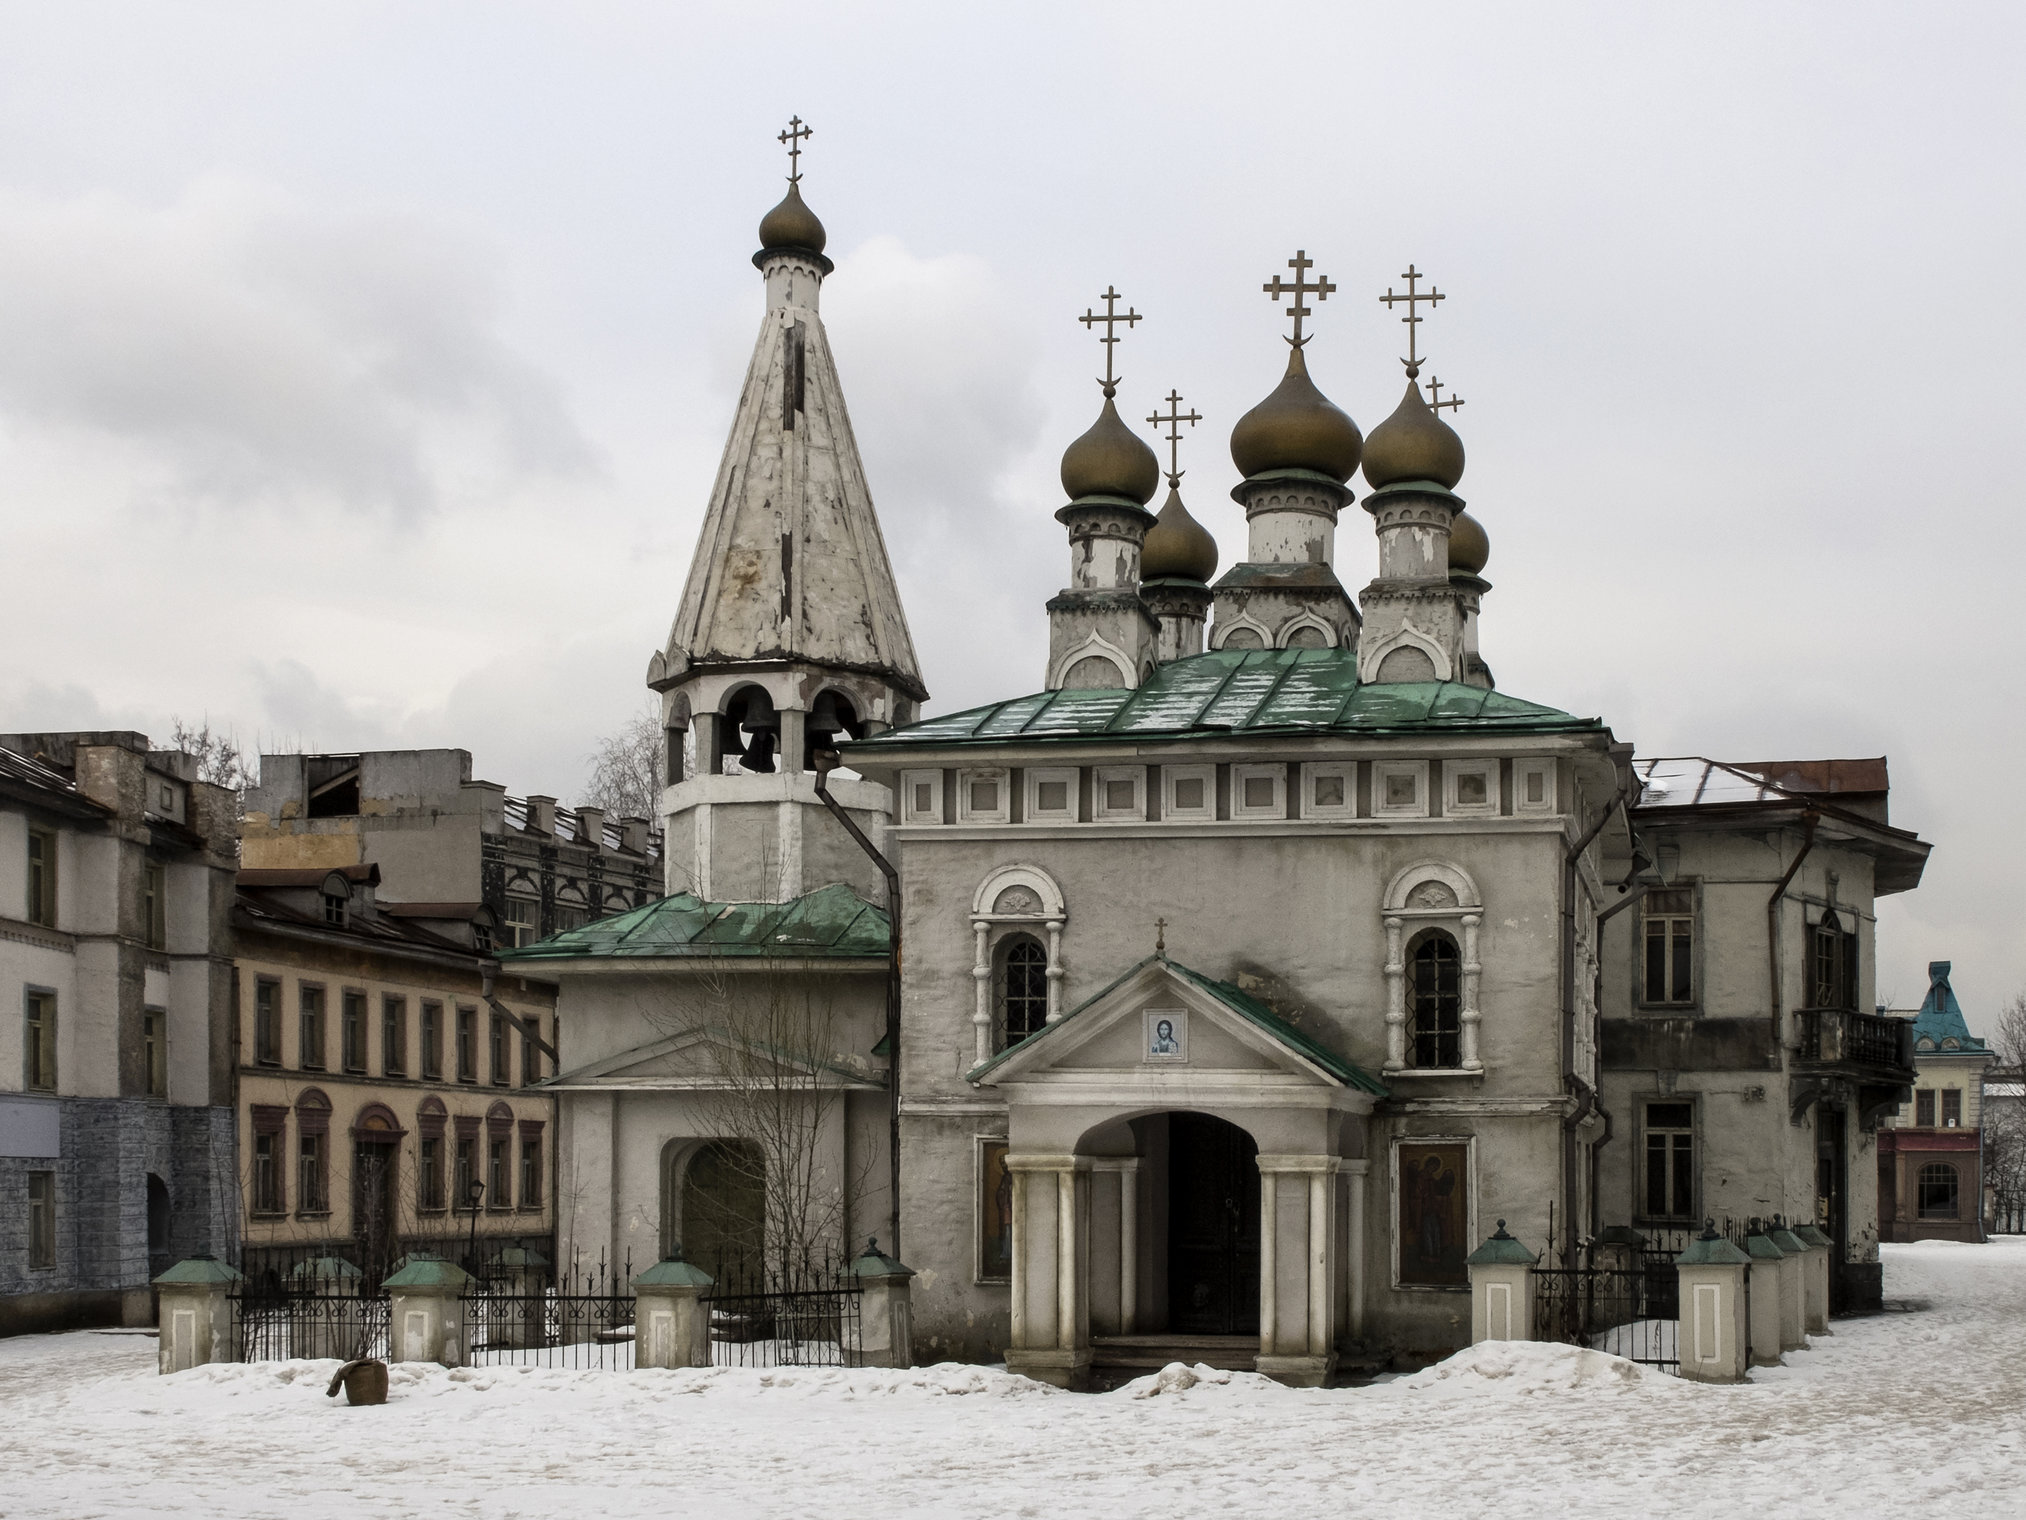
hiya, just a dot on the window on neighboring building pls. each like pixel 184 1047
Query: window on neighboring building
pixel 568 918
pixel 267 1022
pixel 267 1197
pixel 311 1056
pixel 155 905
pixel 352 1039
pixel 520 921
pixel 155 1051
pixel 431 1179
pixel 531 1053
pixel 502 1053
pixel 1434 1002
pixel 432 1042
pixel 1938 1191
pixel 467 1169
pixel 1924 1107
pixel 1670 1161
pixel 39 1043
pixel 1952 1108
pixel 337 908
pixel 1023 989
pixel 312 1182
pixel 531 1171
pixel 498 1181
pixel 42 878
pixel 394 1036
pixel 1668 917
pixel 467 1044
pixel 42 1221
pixel 1832 966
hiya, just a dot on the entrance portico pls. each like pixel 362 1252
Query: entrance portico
pixel 1183 1161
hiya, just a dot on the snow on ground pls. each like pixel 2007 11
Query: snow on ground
pixel 1920 1412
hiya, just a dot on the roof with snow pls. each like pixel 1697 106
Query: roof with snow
pixel 1693 781
pixel 1239 691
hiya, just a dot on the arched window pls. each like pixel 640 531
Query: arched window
pixel 1938 1191
pixel 1023 989
pixel 1434 1002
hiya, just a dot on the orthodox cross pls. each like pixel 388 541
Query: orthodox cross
pixel 1173 418
pixel 1413 319
pixel 1160 936
pixel 1321 287
pixel 1436 404
pixel 793 137
pixel 1111 319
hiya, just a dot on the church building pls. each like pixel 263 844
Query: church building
pixel 1218 996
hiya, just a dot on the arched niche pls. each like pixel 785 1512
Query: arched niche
pixel 1431 895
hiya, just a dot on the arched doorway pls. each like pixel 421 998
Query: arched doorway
pixel 1213 1227
pixel 724 1209
pixel 376 1220
pixel 159 1256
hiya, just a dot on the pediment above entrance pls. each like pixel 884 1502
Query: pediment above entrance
pixel 711 1060
pixel 1164 1025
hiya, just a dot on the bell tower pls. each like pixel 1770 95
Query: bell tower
pixel 790 630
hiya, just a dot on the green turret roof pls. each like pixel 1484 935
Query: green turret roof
pixel 1939 1027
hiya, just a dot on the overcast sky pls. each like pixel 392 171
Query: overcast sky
pixel 364 368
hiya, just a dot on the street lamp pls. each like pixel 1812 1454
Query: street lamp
pixel 473 1192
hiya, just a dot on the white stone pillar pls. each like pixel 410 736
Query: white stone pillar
pixel 1297 1338
pixel 1059 1351
pixel 195 1323
pixel 1396 997
pixel 1816 1272
pixel 1356 1173
pixel 1269 1273
pixel 1501 1290
pixel 1468 1014
pixel 1054 970
pixel 1715 1340
pixel 981 976
pixel 1793 1289
pixel 1765 1299
pixel 671 1328
pixel 1020 1229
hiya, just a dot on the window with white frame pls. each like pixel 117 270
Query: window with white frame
pixel 1257 791
pixel 1329 789
pixel 1470 788
pixel 1533 786
pixel 1189 793
pixel 1399 789
pixel 1118 793
pixel 1051 794
pixel 921 796
pixel 982 796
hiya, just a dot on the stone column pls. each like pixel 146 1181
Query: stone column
pixel 1297 1320
pixel 885 1309
pixel 1468 1016
pixel 1501 1289
pixel 671 1326
pixel 425 1312
pixel 1715 1341
pixel 981 977
pixel 1126 1170
pixel 1816 1274
pixel 1051 1260
pixel 1355 1174
pixel 1765 1296
pixel 1793 1288
pixel 195 1318
pixel 1396 995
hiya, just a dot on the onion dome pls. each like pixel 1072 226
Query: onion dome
pixel 1296 428
pixel 1177 547
pixel 1413 444
pixel 1110 460
pixel 1469 547
pixel 791 225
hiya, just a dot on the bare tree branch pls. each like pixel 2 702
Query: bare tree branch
pixel 626 768
pixel 220 760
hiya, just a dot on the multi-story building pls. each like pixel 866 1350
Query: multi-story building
pixel 116 1138
pixel 1931 1149
pixel 383 1075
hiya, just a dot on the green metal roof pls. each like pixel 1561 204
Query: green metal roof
pixel 1238 691
pixel 673 1272
pixel 199 1272
pixel 422 1270
pixel 833 923
pixel 1710 1249
pixel 1243 1004
pixel 1501 1250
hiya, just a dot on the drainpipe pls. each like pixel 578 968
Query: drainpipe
pixel 827 760
pixel 1808 821
pixel 1586 1095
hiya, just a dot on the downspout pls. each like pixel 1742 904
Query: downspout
pixel 1808 821
pixel 828 760
pixel 1587 1096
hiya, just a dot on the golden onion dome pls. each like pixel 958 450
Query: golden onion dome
pixel 791 225
pixel 1177 547
pixel 1413 444
pixel 1296 428
pixel 1469 546
pixel 1110 460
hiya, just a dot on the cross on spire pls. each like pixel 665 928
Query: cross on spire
pixel 1436 403
pixel 793 137
pixel 1160 936
pixel 1413 319
pixel 1111 319
pixel 1173 419
pixel 1298 287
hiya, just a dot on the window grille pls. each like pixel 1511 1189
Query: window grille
pixel 1938 1191
pixel 1023 989
pixel 1435 1002
pixel 1669 919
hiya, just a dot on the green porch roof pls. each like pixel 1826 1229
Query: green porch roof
pixel 1238 691
pixel 834 923
pixel 1241 1003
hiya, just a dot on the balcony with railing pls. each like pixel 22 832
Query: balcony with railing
pixel 1868 1046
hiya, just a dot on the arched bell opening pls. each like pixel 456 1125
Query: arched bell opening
pixel 832 719
pixel 750 731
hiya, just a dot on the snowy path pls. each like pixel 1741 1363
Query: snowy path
pixel 1922 1413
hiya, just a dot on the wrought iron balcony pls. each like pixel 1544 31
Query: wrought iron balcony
pixel 1866 1045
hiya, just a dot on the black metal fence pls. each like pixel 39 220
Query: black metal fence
pixel 1621 1308
pixel 274 1267
pixel 582 1317
pixel 313 1317
pixel 800 1315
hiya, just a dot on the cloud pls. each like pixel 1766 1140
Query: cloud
pixel 241 348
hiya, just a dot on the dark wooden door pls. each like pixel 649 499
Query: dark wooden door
pixel 374 1221
pixel 1213 1227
